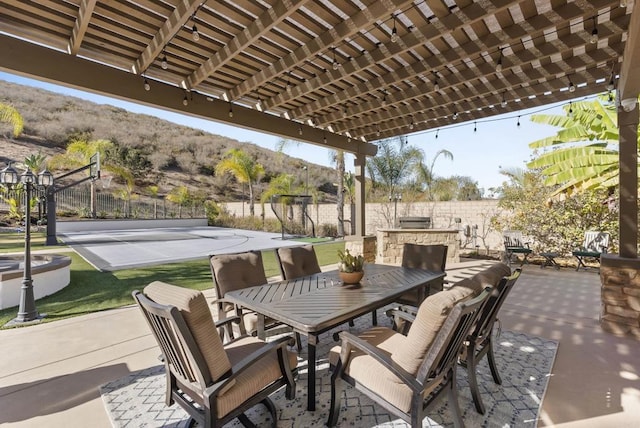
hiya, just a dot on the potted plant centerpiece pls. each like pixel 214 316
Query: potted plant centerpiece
pixel 350 267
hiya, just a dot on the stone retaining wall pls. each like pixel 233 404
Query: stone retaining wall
pixel 390 243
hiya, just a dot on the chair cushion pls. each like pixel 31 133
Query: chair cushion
pixel 492 275
pixel 237 271
pixel 472 284
pixel 195 311
pixel 261 374
pixel 367 370
pixel 298 261
pixel 429 319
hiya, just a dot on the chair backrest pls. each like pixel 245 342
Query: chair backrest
pixel 446 347
pixel 490 310
pixel 182 325
pixel 237 271
pixel 513 238
pixel 596 241
pixel 428 257
pixel 295 262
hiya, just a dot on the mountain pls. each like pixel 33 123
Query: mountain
pixel 173 154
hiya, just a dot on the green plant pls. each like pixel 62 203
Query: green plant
pixel 349 262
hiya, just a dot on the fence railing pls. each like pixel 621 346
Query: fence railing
pixel 77 202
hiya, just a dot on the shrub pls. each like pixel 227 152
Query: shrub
pixel 327 230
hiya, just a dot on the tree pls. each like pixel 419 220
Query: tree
pixel 395 163
pixel 179 195
pixel 585 151
pixel 338 160
pixel 10 115
pixel 425 172
pixel 244 168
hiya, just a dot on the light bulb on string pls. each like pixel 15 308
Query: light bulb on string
pixel 185 100
pixel 411 126
pixel 299 130
pixel 518 123
pixel 336 64
pixel 436 86
pixel 394 31
pixel 146 85
pixel 230 109
pixel 504 101
pixel 475 128
pixel 164 64
pixel 499 63
pixel 572 87
pixel 194 33
pixel 437 130
pixel 570 109
pixel 610 97
pixel 594 33
pixel 455 115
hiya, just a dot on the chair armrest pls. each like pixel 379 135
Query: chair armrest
pixel 349 340
pixel 248 361
pixel 224 322
pixel 408 315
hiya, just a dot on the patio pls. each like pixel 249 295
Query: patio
pixel 55 369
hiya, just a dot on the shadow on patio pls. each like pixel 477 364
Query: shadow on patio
pixel 51 373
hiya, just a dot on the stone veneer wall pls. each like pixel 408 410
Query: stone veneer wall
pixel 620 279
pixel 380 216
pixel 390 243
pixel 365 245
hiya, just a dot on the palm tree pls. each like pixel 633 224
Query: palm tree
pixel 425 174
pixel 337 158
pixel 394 164
pixel 179 195
pixel 584 152
pixel 244 168
pixel 10 115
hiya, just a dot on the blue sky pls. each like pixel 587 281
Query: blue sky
pixel 497 142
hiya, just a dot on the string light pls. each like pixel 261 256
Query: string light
pixel 344 113
pixel 164 64
pixel 455 115
pixel 437 130
pixel 570 109
pixel 336 64
pixel 378 132
pixel 499 63
pixel 411 124
pixel 572 87
pixel 594 32
pixel 475 128
pixel 394 31
pixel 299 130
pixel 185 100
pixel 146 85
pixel 289 83
pixel 436 86
pixel 504 101
pixel 518 123
pixel 230 109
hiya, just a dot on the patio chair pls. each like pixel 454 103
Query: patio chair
pixel 295 262
pixel 234 272
pixel 595 243
pixel 405 374
pixel 514 244
pixel 212 382
pixel 428 257
pixel 480 341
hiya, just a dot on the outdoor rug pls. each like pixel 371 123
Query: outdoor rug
pixel 524 363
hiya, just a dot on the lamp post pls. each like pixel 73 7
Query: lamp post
pixel 27 310
pixel 306 186
pixel 395 198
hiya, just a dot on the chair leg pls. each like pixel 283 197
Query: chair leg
pixel 245 421
pixel 272 410
pixel 336 396
pixel 298 342
pixel 492 363
pixel 473 380
pixel 452 395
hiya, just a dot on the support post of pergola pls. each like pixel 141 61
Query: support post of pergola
pixel 628 158
pixel 359 164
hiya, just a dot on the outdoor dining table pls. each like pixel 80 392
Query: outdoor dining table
pixel 316 303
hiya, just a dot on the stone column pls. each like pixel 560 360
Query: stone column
pixel 620 278
pixel 365 245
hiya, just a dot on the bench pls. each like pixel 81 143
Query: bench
pixel 514 244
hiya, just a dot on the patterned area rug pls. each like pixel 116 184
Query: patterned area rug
pixel 524 363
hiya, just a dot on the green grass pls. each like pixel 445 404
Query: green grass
pixel 91 290
pixel 11 242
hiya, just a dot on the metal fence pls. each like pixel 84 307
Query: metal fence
pixel 77 202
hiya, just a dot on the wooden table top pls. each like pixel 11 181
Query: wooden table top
pixel 318 302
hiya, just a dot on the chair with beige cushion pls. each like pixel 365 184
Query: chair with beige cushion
pixel 480 340
pixel 428 257
pixel 214 383
pixel 295 262
pixel 405 374
pixel 232 272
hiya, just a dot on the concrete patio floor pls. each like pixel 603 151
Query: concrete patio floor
pixel 50 373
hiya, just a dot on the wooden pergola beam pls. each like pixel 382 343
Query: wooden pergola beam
pixel 80 26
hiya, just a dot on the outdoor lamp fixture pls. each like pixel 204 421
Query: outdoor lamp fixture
pixel 572 87
pixel 27 310
pixel 194 33
pixel 628 104
pixel 164 64
pixel 146 85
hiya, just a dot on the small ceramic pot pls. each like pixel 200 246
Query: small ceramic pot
pixel 351 277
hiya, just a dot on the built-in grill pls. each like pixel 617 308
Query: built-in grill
pixel 414 222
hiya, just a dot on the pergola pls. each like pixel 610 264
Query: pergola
pixel 340 73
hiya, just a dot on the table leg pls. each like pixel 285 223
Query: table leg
pixel 261 333
pixel 311 372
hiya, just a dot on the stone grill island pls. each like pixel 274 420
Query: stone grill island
pixel 389 242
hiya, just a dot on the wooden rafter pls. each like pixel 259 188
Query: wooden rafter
pixel 81 25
